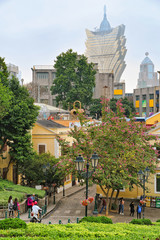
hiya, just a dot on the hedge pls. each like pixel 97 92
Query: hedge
pixel 12 223
pixel 83 231
pixel 99 219
pixel 141 221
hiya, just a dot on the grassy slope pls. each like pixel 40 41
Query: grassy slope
pixel 84 231
pixel 8 188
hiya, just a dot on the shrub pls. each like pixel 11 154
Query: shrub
pixel 100 219
pixel 141 221
pixel 158 220
pixel 12 223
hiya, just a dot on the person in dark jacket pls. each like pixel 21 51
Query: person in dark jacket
pixel 131 209
pixel 103 205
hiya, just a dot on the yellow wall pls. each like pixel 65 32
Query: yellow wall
pixel 47 136
pixel 136 191
pixel 65 122
pixel 4 164
pixel 153 119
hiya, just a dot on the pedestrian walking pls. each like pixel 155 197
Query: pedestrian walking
pixel 16 207
pixel 139 210
pixel 10 206
pixel 131 209
pixel 103 205
pixel 122 206
pixel 119 206
pixel 29 202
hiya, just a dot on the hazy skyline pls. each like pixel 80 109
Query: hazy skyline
pixel 34 32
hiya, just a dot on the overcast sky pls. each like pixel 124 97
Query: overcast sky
pixel 34 32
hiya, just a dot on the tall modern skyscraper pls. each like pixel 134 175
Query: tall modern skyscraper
pixel 106 46
pixel 147 76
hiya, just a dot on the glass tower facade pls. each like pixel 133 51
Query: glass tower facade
pixel 147 76
pixel 106 46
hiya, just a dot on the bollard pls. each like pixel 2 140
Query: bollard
pixel 18 214
pixel 45 208
pixel 29 213
pixel 5 214
pixel 69 221
pixel 77 220
pixel 60 222
pixel 49 223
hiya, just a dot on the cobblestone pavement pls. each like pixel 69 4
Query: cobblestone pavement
pixel 70 208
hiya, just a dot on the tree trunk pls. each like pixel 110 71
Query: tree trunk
pixel 106 194
pixel 110 202
pixel 115 201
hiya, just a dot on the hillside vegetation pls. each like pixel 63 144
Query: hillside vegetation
pixel 8 188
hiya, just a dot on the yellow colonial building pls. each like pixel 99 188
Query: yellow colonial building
pixel 44 135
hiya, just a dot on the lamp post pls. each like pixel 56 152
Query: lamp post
pixel 45 169
pixel 80 166
pixel 143 177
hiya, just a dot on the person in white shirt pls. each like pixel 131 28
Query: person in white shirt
pixel 35 210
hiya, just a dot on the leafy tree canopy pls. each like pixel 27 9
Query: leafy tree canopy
pixel 127 105
pixel 123 147
pixel 5 100
pixel 95 107
pixel 75 79
pixel 19 119
pixel 33 170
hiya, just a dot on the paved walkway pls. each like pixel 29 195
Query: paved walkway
pixel 69 207
pixel 58 198
pixel 152 213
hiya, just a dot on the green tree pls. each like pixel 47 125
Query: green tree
pixel 5 100
pixel 18 121
pixel 95 108
pixel 75 79
pixel 123 148
pixel 33 171
pixel 127 105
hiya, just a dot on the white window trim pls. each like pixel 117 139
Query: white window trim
pixel 42 144
pixel 155 182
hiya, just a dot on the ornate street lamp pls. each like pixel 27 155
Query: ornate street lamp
pixel 79 163
pixel 80 166
pixel 94 159
pixel 45 169
pixel 143 177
